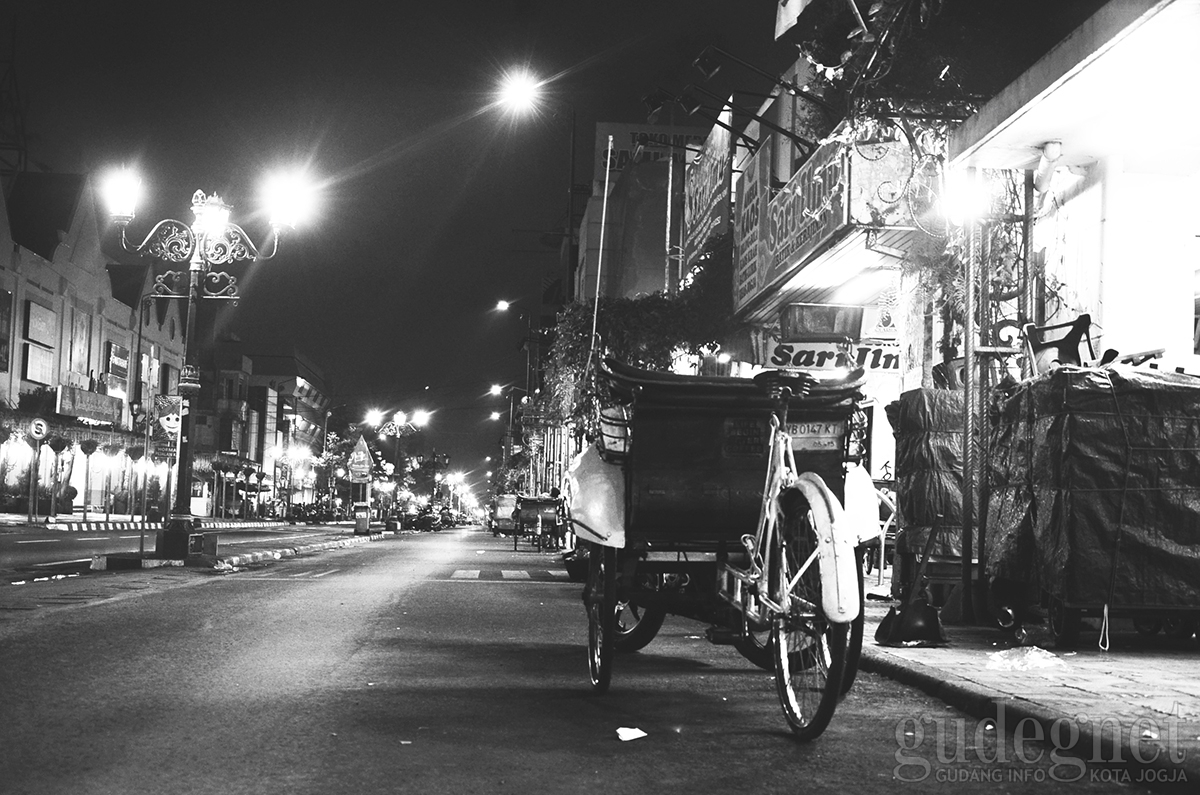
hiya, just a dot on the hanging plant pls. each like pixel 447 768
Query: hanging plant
pixel 648 331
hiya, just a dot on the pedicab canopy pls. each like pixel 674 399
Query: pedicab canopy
pixel 1095 492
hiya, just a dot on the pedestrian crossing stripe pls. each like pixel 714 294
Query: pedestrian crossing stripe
pixel 510 575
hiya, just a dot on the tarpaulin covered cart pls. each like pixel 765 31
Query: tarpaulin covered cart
pixel 1095 497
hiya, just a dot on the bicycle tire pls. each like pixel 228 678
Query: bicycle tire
pixel 810 650
pixel 600 596
pixel 854 643
pixel 636 626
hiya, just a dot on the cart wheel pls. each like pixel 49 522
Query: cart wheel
pixel 601 599
pixel 1147 626
pixel 756 647
pixel 1180 628
pixel 1065 623
pixel 636 626
pixel 516 537
pixel 810 650
pixel 854 644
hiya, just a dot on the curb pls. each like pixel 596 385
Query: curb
pixel 225 563
pixel 233 561
pixel 102 525
pixel 984 703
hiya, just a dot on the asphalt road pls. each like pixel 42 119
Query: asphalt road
pixel 436 663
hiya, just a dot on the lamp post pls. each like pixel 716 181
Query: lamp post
pixel 210 240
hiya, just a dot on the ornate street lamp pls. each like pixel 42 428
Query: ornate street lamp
pixel 210 240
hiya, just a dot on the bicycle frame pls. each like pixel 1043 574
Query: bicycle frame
pixel 834 554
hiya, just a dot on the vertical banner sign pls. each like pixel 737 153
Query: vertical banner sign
pixel 706 188
pixel 360 462
pixel 750 208
pixel 168 413
pixel 6 317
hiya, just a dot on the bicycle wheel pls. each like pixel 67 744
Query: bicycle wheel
pixel 600 597
pixel 636 626
pixel 758 648
pixel 810 650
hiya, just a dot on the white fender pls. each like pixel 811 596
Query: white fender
pixel 835 550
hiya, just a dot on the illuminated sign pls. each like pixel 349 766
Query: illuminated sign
pixel 823 356
pixel 75 402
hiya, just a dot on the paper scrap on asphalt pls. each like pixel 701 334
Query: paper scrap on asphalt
pixel 624 734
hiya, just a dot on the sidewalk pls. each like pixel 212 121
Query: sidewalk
pixel 1132 713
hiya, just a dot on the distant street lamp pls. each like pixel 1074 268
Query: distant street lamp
pixel 210 240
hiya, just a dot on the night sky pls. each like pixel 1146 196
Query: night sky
pixel 432 205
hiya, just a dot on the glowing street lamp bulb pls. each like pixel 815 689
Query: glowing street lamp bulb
pixel 122 190
pixel 502 306
pixel 495 389
pixel 400 418
pixel 289 199
pixel 374 417
pixel 520 91
pixel 420 417
pixel 212 214
pixel 495 415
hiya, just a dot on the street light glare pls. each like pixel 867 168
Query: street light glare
pixel 495 415
pixel 495 389
pixel 289 199
pixel 421 417
pixel 502 306
pixel 374 417
pixel 122 190
pixel 520 91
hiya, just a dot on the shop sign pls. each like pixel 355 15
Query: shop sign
pixel 117 360
pixel 706 188
pixel 658 143
pixel 807 212
pixel 41 324
pixel 881 357
pixel 753 202
pixel 76 402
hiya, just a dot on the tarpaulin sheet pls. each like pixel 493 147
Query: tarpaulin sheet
pixel 928 427
pixel 1095 490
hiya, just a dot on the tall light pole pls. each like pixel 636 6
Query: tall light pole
pixel 210 240
pixel 522 93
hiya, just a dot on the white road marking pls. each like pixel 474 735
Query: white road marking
pixel 558 572
pixel 40 541
pixel 322 574
pixel 465 574
pixel 510 574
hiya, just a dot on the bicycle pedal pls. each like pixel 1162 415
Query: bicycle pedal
pixel 720 636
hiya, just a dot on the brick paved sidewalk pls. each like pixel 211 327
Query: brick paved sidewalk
pixel 1137 703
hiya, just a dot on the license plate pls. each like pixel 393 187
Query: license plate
pixel 824 435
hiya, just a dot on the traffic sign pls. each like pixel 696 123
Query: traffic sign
pixel 39 428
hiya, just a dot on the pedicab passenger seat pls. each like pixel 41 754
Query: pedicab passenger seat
pixel 695 448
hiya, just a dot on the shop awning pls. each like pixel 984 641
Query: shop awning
pixel 1122 84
